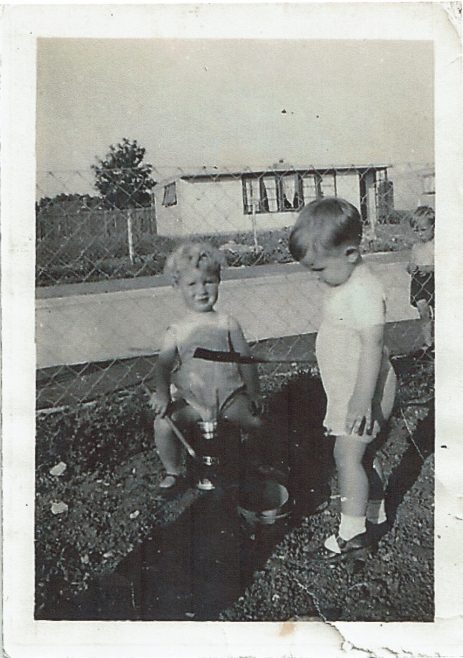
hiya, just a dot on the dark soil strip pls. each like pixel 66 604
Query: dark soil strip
pixel 206 565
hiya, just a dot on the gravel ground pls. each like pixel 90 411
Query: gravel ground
pixel 109 504
pixel 396 583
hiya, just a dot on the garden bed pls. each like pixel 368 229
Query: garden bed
pixel 106 502
pixel 69 261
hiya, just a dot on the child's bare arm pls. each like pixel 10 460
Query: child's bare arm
pixel 248 371
pixel 425 269
pixel 359 411
pixel 411 265
pixel 160 399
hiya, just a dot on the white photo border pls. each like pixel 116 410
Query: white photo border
pixel 21 26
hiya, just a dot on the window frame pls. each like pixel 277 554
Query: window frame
pixel 261 205
pixel 166 203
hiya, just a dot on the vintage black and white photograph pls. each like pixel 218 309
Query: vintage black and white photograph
pixel 234 329
pixel 203 211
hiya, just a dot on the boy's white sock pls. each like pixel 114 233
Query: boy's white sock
pixel 376 511
pixel 349 527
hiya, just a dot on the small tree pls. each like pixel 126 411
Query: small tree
pixel 122 179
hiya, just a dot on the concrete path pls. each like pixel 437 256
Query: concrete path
pixel 99 324
pixel 159 280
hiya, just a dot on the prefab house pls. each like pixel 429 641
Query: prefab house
pixel 427 197
pixel 213 200
pixel 414 185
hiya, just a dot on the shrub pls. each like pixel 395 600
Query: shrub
pixel 59 262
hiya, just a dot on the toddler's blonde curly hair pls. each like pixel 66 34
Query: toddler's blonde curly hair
pixel 193 255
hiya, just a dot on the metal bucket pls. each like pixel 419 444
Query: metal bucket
pixel 263 502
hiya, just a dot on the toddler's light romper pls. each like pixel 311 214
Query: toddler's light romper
pixel 357 304
pixel 203 384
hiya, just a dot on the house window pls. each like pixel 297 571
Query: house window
pixel 310 188
pixel 328 185
pixel 170 195
pixel 289 192
pixel 380 175
pixel 428 184
pixel 285 192
pixel 251 193
pixel 271 193
pixel 270 196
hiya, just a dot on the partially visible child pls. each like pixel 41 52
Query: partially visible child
pixel 355 369
pixel 421 269
pixel 201 388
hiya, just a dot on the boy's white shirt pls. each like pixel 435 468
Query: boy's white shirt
pixel 353 306
pixel 358 303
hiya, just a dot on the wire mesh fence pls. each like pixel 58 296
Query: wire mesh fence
pixel 102 307
pixel 101 334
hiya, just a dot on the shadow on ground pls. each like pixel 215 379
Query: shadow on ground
pixel 406 473
pixel 199 565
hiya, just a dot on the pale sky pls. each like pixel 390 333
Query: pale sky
pixel 219 102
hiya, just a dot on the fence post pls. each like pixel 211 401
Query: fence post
pixel 371 201
pixel 130 235
pixel 254 226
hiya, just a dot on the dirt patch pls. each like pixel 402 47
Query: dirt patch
pixel 396 583
pixel 112 508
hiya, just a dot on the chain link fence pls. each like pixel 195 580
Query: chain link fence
pixel 102 301
pixel 103 304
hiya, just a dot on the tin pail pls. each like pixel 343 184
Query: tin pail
pixel 263 502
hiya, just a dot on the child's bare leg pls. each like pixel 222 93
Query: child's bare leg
pixel 239 413
pixel 376 510
pixel 426 322
pixel 353 479
pixel 353 488
pixel 375 475
pixel 169 450
pixel 167 444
